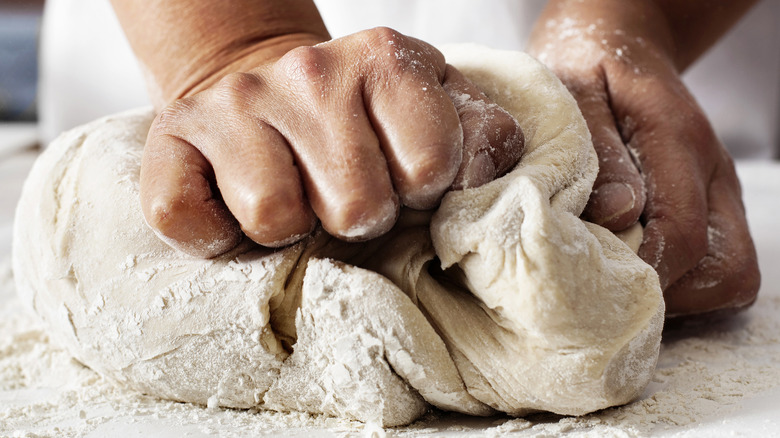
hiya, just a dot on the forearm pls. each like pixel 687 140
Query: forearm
pixel 681 30
pixel 698 24
pixel 185 45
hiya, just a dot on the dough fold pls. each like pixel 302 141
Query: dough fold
pixel 501 300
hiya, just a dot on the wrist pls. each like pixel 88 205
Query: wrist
pixel 582 33
pixel 242 59
pixel 182 44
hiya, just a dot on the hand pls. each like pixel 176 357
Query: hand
pixel 346 131
pixel 659 158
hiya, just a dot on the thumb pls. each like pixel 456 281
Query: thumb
pixel 492 139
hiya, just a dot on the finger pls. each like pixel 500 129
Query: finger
pixel 676 225
pixel 342 166
pixel 420 132
pixel 676 211
pixel 727 277
pixel 178 201
pixel 261 185
pixel 618 195
pixel 675 155
pixel 251 162
pixel 492 139
pixel 253 165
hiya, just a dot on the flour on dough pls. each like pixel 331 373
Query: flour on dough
pixel 503 300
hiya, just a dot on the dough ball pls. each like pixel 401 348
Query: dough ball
pixel 501 300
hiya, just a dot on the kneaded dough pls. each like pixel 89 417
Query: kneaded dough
pixel 501 300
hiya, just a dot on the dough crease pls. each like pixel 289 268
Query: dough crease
pixel 501 300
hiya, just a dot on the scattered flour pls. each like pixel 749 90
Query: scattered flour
pixel 704 372
pixel 528 308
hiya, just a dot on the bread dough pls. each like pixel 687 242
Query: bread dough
pixel 503 300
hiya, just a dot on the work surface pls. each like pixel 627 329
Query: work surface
pixel 719 379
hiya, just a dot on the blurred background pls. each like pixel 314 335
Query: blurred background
pixel 67 62
pixel 19 24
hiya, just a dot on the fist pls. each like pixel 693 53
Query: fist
pixel 344 133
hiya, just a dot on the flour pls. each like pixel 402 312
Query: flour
pixel 704 372
pixel 531 309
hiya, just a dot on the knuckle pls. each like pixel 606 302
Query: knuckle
pixel 239 82
pixel 431 168
pixel 268 215
pixel 304 64
pixel 167 212
pixel 171 117
pixel 305 72
pixel 380 38
pixel 386 34
pixel 395 54
pixel 361 218
pixel 234 91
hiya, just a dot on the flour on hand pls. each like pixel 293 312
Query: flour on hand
pixel 503 300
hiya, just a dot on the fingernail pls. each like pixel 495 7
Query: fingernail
pixel 611 200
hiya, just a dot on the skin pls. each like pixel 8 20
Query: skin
pixel 266 125
pixel 266 128
pixel 660 161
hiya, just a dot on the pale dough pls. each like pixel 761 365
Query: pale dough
pixel 503 300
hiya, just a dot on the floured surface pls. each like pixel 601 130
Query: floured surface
pixel 719 379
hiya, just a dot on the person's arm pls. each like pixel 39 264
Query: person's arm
pixel 265 126
pixel 696 25
pixel 660 160
pixel 184 46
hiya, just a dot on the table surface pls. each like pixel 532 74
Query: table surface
pixel 748 413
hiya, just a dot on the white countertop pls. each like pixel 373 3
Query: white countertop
pixel 752 339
